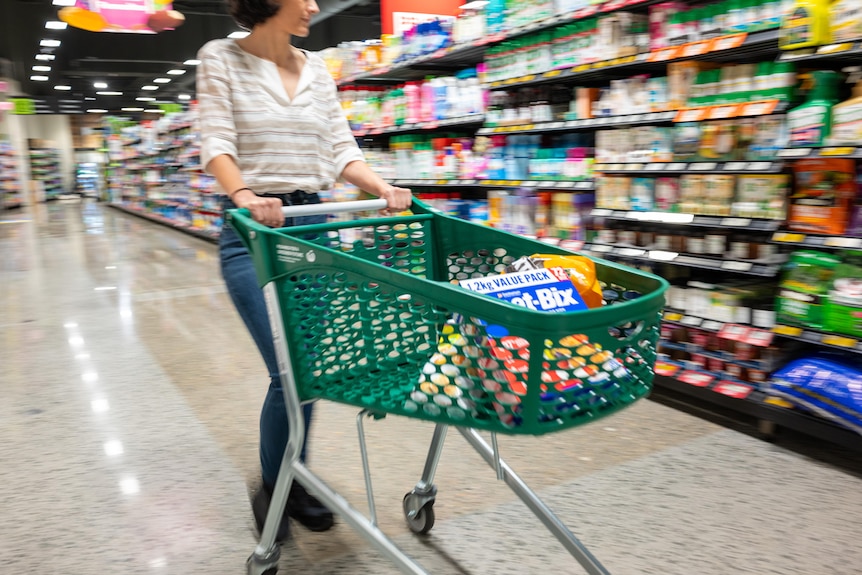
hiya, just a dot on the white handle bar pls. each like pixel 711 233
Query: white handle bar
pixel 333 208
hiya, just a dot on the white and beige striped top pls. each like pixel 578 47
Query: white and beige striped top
pixel 279 144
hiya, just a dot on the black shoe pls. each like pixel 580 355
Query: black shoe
pixel 308 510
pixel 260 507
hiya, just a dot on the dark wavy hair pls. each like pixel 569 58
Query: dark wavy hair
pixel 249 13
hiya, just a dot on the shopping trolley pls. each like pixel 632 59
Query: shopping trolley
pixel 365 312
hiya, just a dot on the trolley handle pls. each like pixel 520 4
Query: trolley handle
pixel 333 208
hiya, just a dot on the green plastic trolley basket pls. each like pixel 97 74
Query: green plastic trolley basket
pixel 367 312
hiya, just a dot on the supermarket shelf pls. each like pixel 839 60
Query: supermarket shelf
pixel 735 223
pixel 577 186
pixel 687 320
pixel 587 124
pixel 691 168
pixel 750 268
pixel 464 121
pixel 845 52
pixel 209 236
pixel 472 53
pixel 847 152
pixel 820 338
pixel 815 241
pixel 755 406
pixel 749 47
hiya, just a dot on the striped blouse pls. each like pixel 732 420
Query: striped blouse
pixel 279 144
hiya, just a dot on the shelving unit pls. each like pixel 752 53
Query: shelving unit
pixel 88 179
pixel 11 196
pixel 573 185
pixel 750 268
pixel 165 184
pixel 45 168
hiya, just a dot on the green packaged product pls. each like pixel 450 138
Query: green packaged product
pixel 842 312
pixel 805 287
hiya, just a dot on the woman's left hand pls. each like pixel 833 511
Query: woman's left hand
pixel 399 199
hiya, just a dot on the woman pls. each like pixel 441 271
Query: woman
pixel 273 134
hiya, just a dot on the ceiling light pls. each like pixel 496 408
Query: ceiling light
pixel 238 35
pixel 55 25
pixel 162 81
pixel 176 72
pixel 41 68
pixel 50 43
pixel 97 111
pixel 90 99
pixel 132 109
pixel 109 93
pixel 184 97
pixel 145 99
pixel 154 111
pixel 100 85
pixel 191 62
pixel 149 88
pixel 64 2
pixel 39 78
pixel 62 87
pixel 45 57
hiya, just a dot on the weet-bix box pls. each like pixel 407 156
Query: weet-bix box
pixel 548 289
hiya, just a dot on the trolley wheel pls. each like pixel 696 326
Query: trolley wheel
pixel 423 521
pixel 256 566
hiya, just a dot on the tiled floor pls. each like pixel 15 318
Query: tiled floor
pixel 128 419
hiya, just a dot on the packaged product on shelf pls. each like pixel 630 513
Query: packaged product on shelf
pixel 824 194
pixel 842 312
pixel 569 215
pixel 643 194
pixel 667 195
pixel 761 196
pixel 805 24
pixel 659 23
pixel 681 77
pixel 718 193
pixel 847 118
pixel 692 196
pixel 613 192
pixel 845 17
pixel 822 384
pixel 804 288
pixel 686 140
pixel 770 135
pixel 718 141
pixel 811 123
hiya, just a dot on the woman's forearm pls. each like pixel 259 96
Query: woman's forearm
pixel 223 167
pixel 360 175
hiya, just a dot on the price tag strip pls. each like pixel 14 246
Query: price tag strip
pixel 794 153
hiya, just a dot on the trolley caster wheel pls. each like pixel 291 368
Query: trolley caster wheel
pixel 419 521
pixel 268 566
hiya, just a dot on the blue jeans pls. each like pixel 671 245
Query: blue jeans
pixel 239 275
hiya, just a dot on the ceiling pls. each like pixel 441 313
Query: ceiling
pixel 127 62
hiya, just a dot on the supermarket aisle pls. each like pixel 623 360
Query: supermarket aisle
pixel 128 411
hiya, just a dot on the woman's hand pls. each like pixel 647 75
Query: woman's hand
pixel 266 211
pixel 399 199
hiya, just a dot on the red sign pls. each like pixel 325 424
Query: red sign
pixel 418 10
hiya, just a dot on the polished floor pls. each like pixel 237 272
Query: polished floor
pixel 129 394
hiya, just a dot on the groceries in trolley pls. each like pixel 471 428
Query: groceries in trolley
pixel 481 370
pixel 543 282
